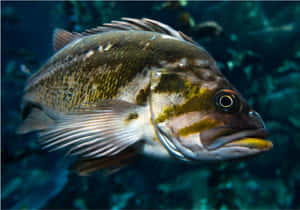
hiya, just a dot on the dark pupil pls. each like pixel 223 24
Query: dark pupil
pixel 225 101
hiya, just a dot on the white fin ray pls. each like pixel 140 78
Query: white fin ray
pixel 49 138
pixel 97 144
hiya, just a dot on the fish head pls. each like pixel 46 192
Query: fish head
pixel 199 115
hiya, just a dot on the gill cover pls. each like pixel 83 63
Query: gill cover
pixel 160 101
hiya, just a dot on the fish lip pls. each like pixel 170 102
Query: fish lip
pixel 249 133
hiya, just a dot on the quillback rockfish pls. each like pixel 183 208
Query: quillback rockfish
pixel 137 86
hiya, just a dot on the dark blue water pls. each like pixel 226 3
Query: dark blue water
pixel 258 49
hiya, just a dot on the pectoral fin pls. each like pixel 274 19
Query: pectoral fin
pixel 94 131
pixel 36 120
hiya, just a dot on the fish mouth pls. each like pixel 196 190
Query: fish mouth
pixel 224 138
pixel 252 139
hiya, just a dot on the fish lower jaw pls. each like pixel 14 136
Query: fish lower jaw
pixel 252 143
pixel 250 138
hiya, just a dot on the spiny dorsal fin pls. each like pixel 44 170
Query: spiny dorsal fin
pixel 62 37
pixel 143 24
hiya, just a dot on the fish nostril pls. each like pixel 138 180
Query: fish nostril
pixel 256 116
pixel 252 113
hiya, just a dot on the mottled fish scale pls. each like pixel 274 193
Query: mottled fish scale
pixel 89 75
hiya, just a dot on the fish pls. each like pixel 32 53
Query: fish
pixel 137 87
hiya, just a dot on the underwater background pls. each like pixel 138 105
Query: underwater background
pixel 257 46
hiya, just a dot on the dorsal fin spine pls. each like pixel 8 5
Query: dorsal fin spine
pixel 62 37
pixel 144 24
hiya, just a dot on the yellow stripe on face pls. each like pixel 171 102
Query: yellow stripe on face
pixel 197 99
pixel 198 127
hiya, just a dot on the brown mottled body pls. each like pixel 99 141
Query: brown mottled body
pixel 98 67
pixel 137 87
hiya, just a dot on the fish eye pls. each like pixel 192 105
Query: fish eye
pixel 226 100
